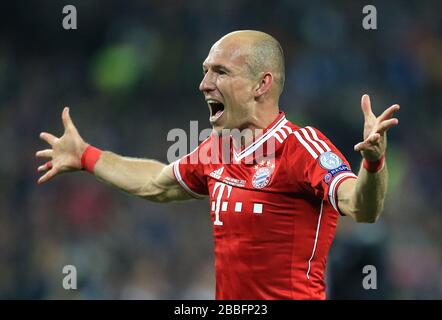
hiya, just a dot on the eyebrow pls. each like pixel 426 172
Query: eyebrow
pixel 217 67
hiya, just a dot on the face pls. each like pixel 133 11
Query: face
pixel 227 87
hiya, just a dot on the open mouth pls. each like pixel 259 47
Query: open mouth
pixel 216 110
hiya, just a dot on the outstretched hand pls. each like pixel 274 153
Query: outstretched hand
pixel 66 151
pixel 375 130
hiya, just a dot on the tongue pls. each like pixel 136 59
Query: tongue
pixel 217 115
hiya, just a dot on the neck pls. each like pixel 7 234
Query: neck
pixel 255 127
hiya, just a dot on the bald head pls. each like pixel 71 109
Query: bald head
pixel 263 53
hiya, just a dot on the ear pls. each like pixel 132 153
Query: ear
pixel 264 84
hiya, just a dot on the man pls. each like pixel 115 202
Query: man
pixel 276 199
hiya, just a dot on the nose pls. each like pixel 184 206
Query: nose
pixel 208 82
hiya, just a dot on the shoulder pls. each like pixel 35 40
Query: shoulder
pixel 203 148
pixel 207 142
pixel 308 140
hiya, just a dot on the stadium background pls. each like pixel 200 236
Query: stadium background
pixel 130 73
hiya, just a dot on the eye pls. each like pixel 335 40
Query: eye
pixel 221 71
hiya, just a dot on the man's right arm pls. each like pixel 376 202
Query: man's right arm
pixel 149 179
pixel 144 178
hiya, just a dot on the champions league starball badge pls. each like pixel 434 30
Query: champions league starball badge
pixel 327 178
pixel 263 174
pixel 329 160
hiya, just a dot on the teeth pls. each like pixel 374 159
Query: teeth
pixel 213 101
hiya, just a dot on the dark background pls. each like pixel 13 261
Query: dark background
pixel 130 74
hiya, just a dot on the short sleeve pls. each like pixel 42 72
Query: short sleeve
pixel 324 166
pixel 189 172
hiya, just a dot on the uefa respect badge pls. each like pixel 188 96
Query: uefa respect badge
pixel 329 160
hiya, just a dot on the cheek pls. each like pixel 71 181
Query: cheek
pixel 241 91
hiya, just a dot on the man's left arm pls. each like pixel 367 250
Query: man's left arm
pixel 363 198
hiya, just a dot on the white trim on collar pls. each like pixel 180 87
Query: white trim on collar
pixel 256 144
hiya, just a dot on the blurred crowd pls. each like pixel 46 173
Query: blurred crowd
pixel 130 73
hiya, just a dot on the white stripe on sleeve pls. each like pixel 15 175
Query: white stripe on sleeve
pixel 178 177
pixel 305 144
pixel 334 183
pixel 276 135
pixel 314 143
pixel 315 136
pixel 289 130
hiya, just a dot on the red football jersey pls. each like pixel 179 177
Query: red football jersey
pixel 273 207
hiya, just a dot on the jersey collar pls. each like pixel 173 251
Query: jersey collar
pixel 267 143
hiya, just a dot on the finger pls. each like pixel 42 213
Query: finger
pixel 45 167
pixel 361 146
pixel 366 106
pixel 368 143
pixel 388 113
pixel 365 145
pixel 49 138
pixel 387 124
pixel 374 138
pixel 67 122
pixel 47 153
pixel 49 175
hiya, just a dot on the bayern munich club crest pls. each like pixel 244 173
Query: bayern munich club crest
pixel 263 174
